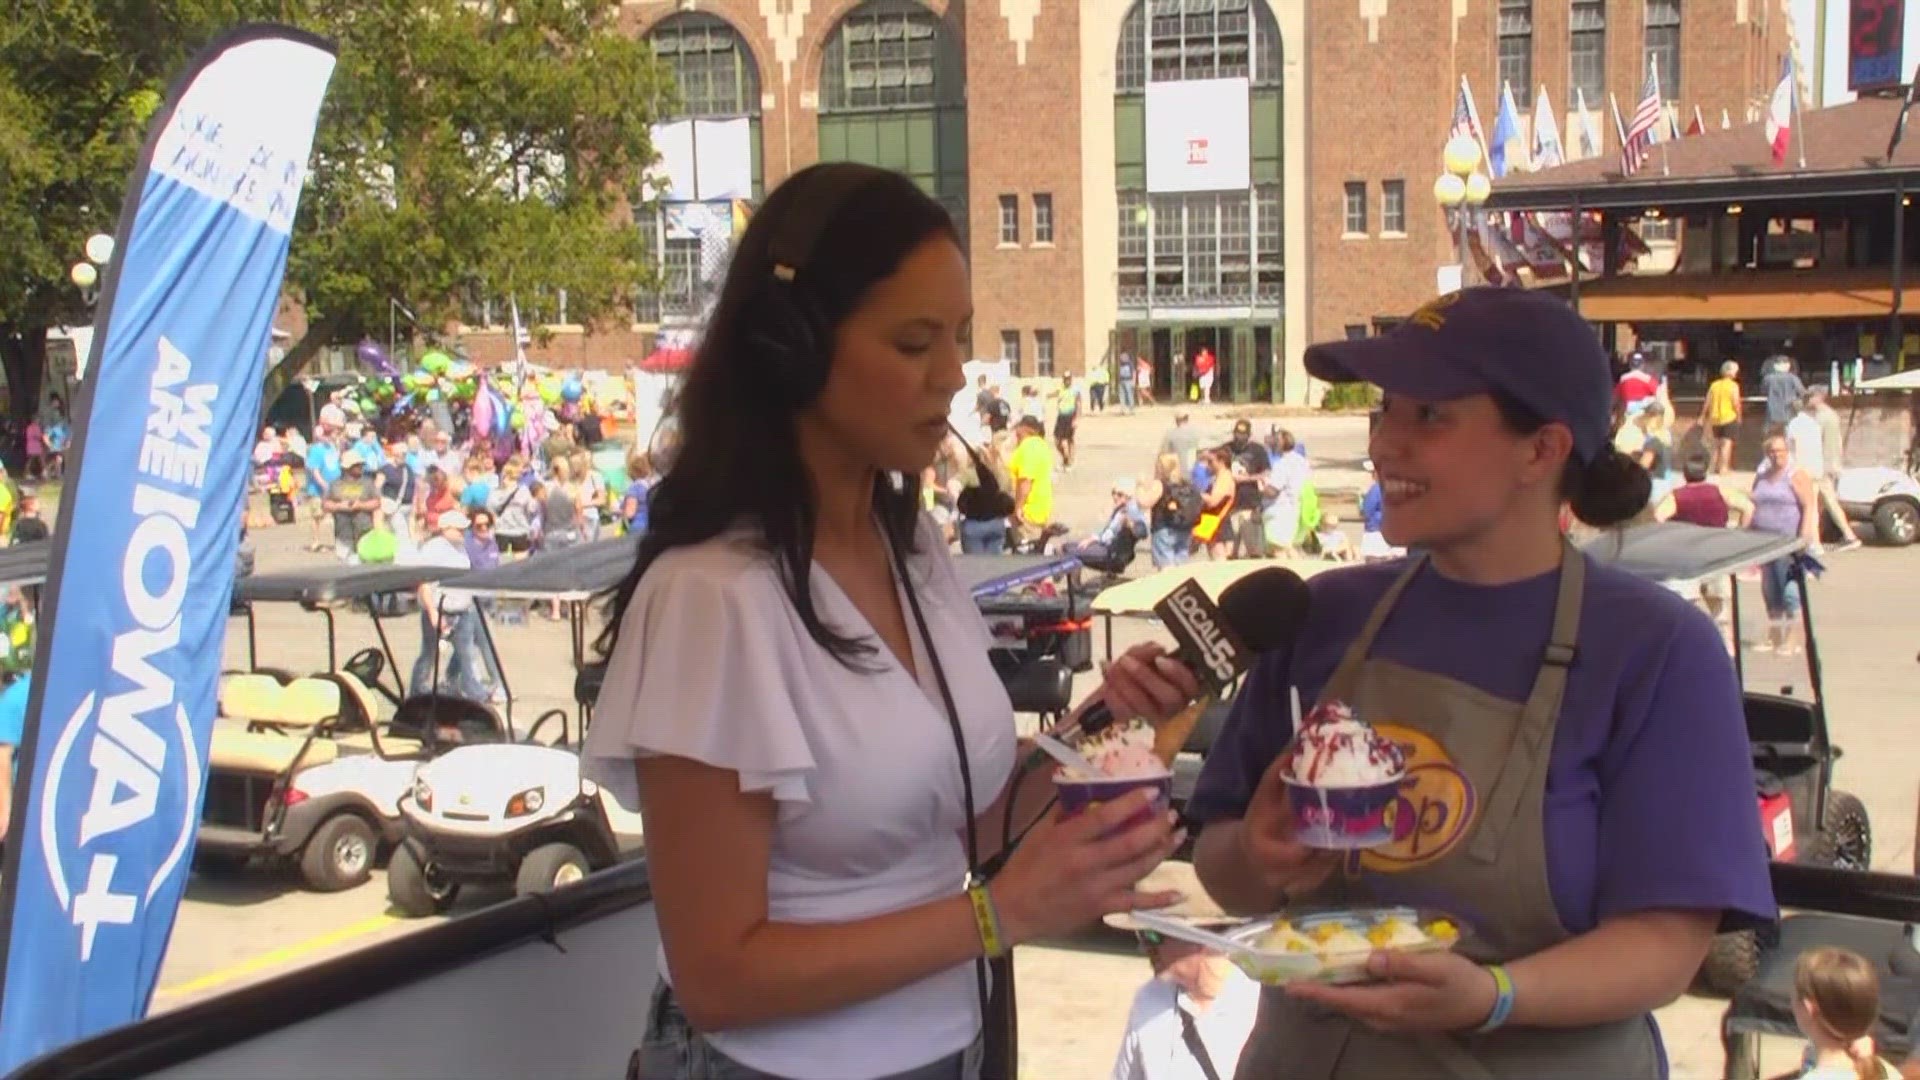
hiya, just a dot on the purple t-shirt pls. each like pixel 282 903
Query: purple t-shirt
pixel 1650 798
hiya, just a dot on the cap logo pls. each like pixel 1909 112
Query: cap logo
pixel 1432 313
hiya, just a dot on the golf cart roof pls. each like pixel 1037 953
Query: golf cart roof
pixel 25 564
pixel 986 575
pixel 1137 597
pixel 575 573
pixel 327 584
pixel 1676 551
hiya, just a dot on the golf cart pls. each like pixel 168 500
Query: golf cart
pixel 1805 820
pixel 1887 498
pixel 518 812
pixel 1041 634
pixel 302 769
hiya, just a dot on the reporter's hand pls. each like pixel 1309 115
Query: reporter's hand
pixel 1146 682
pixel 1269 844
pixel 1068 873
pixel 1418 994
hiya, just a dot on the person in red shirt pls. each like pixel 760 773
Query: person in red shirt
pixel 1635 389
pixel 1203 366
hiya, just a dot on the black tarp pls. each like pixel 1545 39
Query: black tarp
pixel 582 571
pixel 1677 551
pixel 25 564
pixel 327 584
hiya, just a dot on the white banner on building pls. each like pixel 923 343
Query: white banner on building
pixel 1198 136
pixel 702 160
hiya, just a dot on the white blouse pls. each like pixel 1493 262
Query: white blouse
pixel 714 665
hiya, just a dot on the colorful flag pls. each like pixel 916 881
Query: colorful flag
pixel 1699 125
pixel 1466 118
pixel 1547 150
pixel 1506 129
pixel 716 242
pixel 120 714
pixel 1588 124
pixel 1780 112
pixel 1639 136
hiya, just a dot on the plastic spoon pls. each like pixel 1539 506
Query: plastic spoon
pixel 1174 928
pixel 1064 754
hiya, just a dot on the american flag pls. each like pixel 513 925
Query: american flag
pixel 1466 118
pixel 1646 117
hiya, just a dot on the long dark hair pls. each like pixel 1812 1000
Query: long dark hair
pixel 738 458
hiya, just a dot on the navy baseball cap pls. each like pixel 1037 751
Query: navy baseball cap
pixel 1526 345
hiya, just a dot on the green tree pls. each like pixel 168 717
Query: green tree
pixel 465 149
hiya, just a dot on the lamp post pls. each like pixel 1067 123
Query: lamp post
pixel 1460 190
pixel 85 274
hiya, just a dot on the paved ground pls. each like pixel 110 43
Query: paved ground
pixel 237 927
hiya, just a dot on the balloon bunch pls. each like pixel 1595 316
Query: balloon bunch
pixel 503 408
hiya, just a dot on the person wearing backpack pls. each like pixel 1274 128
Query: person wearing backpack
pixel 1176 510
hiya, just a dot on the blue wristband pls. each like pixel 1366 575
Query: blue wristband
pixel 1502 1000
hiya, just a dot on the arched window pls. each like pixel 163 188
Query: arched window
pixel 1198 39
pixel 711 64
pixel 892 94
pixel 1210 249
pixel 717 79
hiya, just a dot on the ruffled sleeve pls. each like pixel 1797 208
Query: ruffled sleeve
pixel 705 670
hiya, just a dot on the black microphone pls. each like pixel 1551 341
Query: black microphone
pixel 1260 612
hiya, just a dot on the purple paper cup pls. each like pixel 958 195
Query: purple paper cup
pixel 1344 818
pixel 1078 795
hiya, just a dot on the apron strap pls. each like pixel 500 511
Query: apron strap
pixel 1527 756
pixel 1340 683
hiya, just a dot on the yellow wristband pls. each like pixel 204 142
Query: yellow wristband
pixel 988 920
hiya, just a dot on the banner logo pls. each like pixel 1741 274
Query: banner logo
pixel 1196 151
pixel 121 709
pixel 1202 633
pixel 1435 809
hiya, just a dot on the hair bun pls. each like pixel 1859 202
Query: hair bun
pixel 1611 490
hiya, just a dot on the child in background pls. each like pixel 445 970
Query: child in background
pixel 1836 999
pixel 1373 545
pixel 1334 545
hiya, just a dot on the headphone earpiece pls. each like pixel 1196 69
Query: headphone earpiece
pixel 792 333
pixel 791 340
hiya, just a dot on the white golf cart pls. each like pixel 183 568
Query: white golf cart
pixel 1886 498
pixel 518 813
pixel 303 769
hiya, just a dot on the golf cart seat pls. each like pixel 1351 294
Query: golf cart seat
pixel 250 696
pixel 1764 1006
pixel 445 720
pixel 238 750
pixel 629 834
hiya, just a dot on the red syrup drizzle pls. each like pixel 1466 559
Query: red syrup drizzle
pixel 1321 747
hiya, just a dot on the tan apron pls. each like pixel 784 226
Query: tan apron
pixel 1469 839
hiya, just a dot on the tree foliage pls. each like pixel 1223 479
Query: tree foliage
pixel 465 150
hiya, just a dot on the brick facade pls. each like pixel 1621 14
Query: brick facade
pixel 1730 57
pixel 1369 93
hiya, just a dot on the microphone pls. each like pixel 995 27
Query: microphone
pixel 1260 612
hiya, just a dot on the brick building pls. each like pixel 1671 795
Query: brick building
pixel 1028 119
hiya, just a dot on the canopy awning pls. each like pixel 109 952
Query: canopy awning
pixel 1677 551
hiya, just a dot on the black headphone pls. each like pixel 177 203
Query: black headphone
pixel 794 336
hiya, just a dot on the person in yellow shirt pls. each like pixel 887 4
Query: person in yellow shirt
pixel 1720 415
pixel 1031 470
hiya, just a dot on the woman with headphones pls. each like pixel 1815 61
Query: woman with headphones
pixel 798 681
pixel 1579 796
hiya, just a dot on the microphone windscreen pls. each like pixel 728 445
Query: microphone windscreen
pixel 1267 608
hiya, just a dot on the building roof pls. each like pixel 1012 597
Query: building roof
pixel 1845 148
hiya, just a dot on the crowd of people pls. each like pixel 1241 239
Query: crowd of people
pixel 382 492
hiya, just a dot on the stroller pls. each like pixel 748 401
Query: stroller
pixel 279 476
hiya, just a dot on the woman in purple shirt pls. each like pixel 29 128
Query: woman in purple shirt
pixel 1579 795
pixel 1785 501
